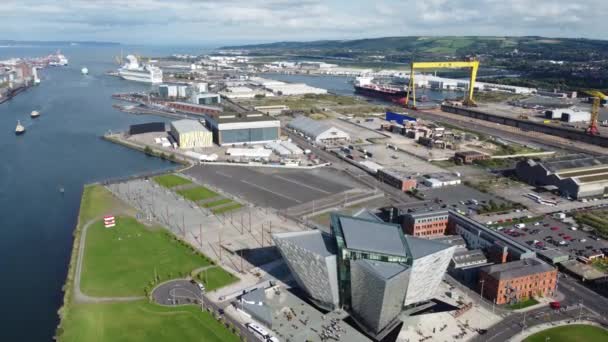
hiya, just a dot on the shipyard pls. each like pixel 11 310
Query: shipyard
pixel 304 171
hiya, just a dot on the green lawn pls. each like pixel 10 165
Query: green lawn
pixel 216 203
pixel 141 321
pixel 98 201
pixel 571 333
pixel 197 193
pixel 227 208
pixel 523 304
pixel 215 278
pixel 171 180
pixel 121 261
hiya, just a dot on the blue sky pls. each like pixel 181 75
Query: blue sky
pixel 243 21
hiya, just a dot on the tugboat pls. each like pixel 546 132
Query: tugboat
pixel 34 114
pixel 19 129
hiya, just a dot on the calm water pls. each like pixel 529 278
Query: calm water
pixel 61 148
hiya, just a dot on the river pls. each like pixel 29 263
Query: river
pixel 60 149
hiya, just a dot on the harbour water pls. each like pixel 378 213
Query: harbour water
pixel 60 149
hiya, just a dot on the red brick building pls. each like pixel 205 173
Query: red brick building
pixel 426 224
pixel 399 179
pixel 519 280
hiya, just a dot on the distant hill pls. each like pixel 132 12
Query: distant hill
pixel 558 48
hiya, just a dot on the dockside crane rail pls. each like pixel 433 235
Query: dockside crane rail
pixel 473 64
pixel 597 97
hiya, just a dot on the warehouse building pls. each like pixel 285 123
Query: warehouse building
pixel 469 157
pixel 243 128
pixel 368 267
pixel 575 175
pixel 519 280
pixel 318 131
pixel 206 99
pixel 191 134
pixel 401 180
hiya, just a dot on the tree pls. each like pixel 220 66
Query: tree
pixel 148 150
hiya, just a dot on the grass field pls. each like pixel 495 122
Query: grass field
pixel 571 333
pixel 97 201
pixel 171 180
pixel 122 260
pixel 215 278
pixel 197 193
pixel 216 203
pixel 227 208
pixel 141 321
pixel 523 304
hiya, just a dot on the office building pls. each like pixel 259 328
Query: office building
pixel 519 280
pixel 426 224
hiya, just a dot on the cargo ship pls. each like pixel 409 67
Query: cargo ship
pixel 365 86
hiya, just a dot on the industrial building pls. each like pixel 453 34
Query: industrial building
pixel 173 91
pixel 469 157
pixel 568 115
pixel 272 110
pixel 519 280
pixel 402 180
pixel 207 99
pixel 399 118
pixel 438 180
pixel 318 131
pixel 575 175
pixel 243 128
pixel 426 224
pixel 368 267
pixel 191 134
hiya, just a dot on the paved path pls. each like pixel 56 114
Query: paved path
pixel 78 295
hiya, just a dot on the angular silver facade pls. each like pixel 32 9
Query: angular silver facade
pixel 426 274
pixel 311 259
pixel 378 292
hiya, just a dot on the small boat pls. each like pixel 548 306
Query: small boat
pixel 19 129
pixel 35 114
pixel 84 71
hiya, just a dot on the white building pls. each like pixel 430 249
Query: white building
pixel 318 131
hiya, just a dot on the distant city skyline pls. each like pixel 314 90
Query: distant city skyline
pixel 217 22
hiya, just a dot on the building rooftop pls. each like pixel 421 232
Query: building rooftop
pixel 469 153
pixel 312 240
pixel 185 126
pixel 573 161
pixel 371 235
pixel 241 117
pixel 420 248
pixel 469 257
pixel 385 270
pixel 309 126
pixel 400 174
pixel 367 214
pixel 452 240
pixel 517 269
pixel 427 213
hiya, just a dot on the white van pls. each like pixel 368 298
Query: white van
pixel 573 228
pixel 520 225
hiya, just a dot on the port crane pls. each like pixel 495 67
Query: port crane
pixel 472 64
pixel 597 98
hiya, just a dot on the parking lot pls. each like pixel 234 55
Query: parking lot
pixel 177 292
pixel 275 188
pixel 550 233
pixel 459 197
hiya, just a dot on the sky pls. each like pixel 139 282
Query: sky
pixel 217 22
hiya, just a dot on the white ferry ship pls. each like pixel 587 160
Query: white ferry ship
pixel 58 60
pixel 146 73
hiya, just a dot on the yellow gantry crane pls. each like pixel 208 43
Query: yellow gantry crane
pixel 598 97
pixel 473 64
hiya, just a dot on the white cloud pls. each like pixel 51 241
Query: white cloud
pixel 259 20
